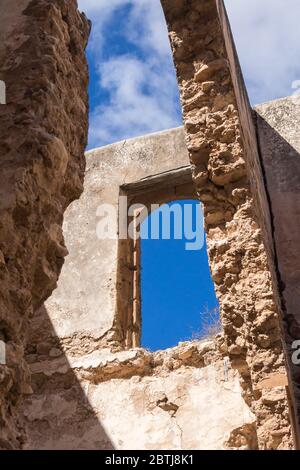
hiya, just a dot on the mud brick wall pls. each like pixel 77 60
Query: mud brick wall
pixel 218 137
pixel 43 131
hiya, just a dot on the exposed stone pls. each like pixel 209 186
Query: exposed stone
pixel 243 438
pixel 221 141
pixel 92 386
pixel 43 131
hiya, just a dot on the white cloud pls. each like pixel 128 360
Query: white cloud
pixel 141 86
pixel 141 100
pixel 267 36
pixel 152 31
pixel 143 93
pixel 146 25
pixel 99 12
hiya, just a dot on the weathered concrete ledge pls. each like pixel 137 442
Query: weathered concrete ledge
pixel 141 400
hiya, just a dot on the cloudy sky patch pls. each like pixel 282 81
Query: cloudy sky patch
pixel 267 37
pixel 133 89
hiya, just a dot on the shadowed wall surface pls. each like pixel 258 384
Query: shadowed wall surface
pixel 43 133
pixel 278 132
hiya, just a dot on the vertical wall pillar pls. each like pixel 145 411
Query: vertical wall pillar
pixel 43 134
pixel 278 131
pixel 223 153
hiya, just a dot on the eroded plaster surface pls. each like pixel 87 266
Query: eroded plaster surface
pixel 186 397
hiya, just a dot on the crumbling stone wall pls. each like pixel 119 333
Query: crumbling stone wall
pixel 43 131
pixel 219 134
pixel 181 398
pixel 75 344
pixel 91 388
pixel 78 351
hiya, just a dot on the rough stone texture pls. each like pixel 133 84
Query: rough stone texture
pixel 278 131
pixel 219 134
pixel 77 343
pixel 77 356
pixel 43 131
pixel 181 398
pixel 190 396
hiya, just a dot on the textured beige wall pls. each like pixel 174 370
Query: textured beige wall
pixel 88 392
pixel 90 270
pixel 43 133
pixel 222 147
pixel 182 398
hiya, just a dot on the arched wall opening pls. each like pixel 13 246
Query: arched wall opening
pixel 165 291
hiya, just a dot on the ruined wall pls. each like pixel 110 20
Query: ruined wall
pixel 43 130
pixel 78 355
pixel 90 273
pixel 181 398
pixel 89 390
pixel 278 131
pixel 222 146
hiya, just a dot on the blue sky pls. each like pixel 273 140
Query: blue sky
pixel 177 290
pixel 133 91
pixel 133 87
